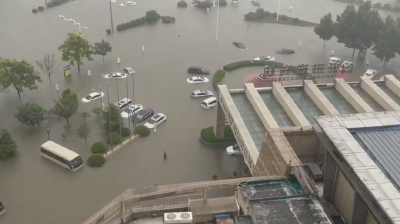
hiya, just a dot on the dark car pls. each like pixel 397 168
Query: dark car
pixel 239 45
pixel 198 70
pixel 2 208
pixel 129 71
pixel 255 3
pixel 142 115
pixel 285 51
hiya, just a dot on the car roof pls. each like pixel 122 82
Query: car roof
pixel 124 100
pixel 197 77
pixel 210 99
pixel 155 116
pixel 196 67
pixel 128 68
pixel 94 93
pixel 334 58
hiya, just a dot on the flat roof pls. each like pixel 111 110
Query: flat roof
pixel 276 109
pixel 338 101
pixel 390 93
pixel 367 98
pixel 383 147
pixel 306 105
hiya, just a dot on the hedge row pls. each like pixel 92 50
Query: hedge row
pixel 250 63
pixel 207 134
pixel 56 3
pixel 142 131
pixel 217 78
pixel 182 4
pixel 96 160
pixel 168 19
pixel 131 24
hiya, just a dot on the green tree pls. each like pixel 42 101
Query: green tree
pixel 152 16
pixel 66 105
pixel 47 64
pixel 8 147
pixel 102 48
pixel 31 114
pixel 75 48
pixel 19 74
pixel 83 131
pixel 325 28
pixel 111 116
pixel 387 45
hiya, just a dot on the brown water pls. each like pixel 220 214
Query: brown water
pixel 37 191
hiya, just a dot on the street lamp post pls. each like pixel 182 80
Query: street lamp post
pixel 111 17
pixel 48 133
pixel 75 23
pixel 133 98
pixel 216 37
pixel 277 14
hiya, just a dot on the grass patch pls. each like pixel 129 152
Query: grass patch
pixel 286 20
pixel 249 63
pixel 217 78
pixel 207 134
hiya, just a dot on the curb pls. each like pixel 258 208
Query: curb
pixel 218 144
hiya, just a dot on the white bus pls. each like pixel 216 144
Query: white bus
pixel 61 155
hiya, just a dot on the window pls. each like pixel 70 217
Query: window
pixel 88 97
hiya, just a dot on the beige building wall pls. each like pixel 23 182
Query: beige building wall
pixel 351 96
pixel 343 197
pixel 370 219
pixel 259 106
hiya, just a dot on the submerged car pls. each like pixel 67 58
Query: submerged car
pixel 370 73
pixel 333 61
pixel 264 58
pixel 201 93
pixel 198 70
pixel 129 71
pixel 131 110
pixel 234 150
pixel 115 75
pixel 285 51
pixel 197 79
pixel 239 45
pixel 92 96
pixel 142 115
pixel 2 208
pixel 129 3
pixel 123 103
pixel 156 120
pixel 255 3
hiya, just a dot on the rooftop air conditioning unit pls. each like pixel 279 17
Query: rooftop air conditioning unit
pixel 171 218
pixel 185 217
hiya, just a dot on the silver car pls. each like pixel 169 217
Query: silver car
pixel 201 93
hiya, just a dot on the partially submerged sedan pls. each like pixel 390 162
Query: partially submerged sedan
pixel 240 45
pixel 285 51
pixel 115 75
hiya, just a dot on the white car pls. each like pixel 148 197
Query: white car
pixel 123 103
pixel 115 75
pixel 333 61
pixel 197 79
pixel 370 73
pixel 201 93
pixel 128 3
pixel 131 110
pixel 234 150
pixel 92 96
pixel 264 58
pixel 155 120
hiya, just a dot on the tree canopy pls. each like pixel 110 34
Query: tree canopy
pixel 66 105
pixel 18 74
pixel 47 64
pixel 111 116
pixel 75 48
pixel 102 48
pixel 387 44
pixel 8 147
pixel 325 28
pixel 31 114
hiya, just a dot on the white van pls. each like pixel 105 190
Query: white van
pixel 61 155
pixel 209 103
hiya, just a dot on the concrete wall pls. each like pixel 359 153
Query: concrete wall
pixel 259 106
pixel 319 98
pixel 371 219
pixel 351 96
pixel 343 197
pixel 393 84
pixel 378 95
pixel 289 105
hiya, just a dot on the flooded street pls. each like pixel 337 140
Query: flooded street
pixel 36 191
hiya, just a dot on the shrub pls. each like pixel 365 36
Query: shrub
pixel 50 4
pixel 266 13
pixel 251 16
pixel 378 5
pixel 396 8
pixel 108 31
pixel 260 11
pixel 295 20
pixel 274 14
pixel 96 160
pixel 114 139
pixel 168 19
pixel 241 64
pixel 133 23
pixel 142 131
pixel 99 147
pixel 119 27
pixel 284 17
pixel 223 3
pixel 182 4
pixel 217 78
pixel 207 134
pixel 40 8
pixel 34 10
pixel 204 4
pixel 387 6
pixel 152 16
pixel 125 132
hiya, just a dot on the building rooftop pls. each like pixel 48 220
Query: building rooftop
pixel 338 101
pixel 367 98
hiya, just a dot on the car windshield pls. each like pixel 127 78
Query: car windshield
pixel 152 121
pixel 76 162
pixel 110 75
pixel 140 116
pixel 88 97
pixel 236 147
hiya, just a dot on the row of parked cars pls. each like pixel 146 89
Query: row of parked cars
pixel 335 61
pixel 211 101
